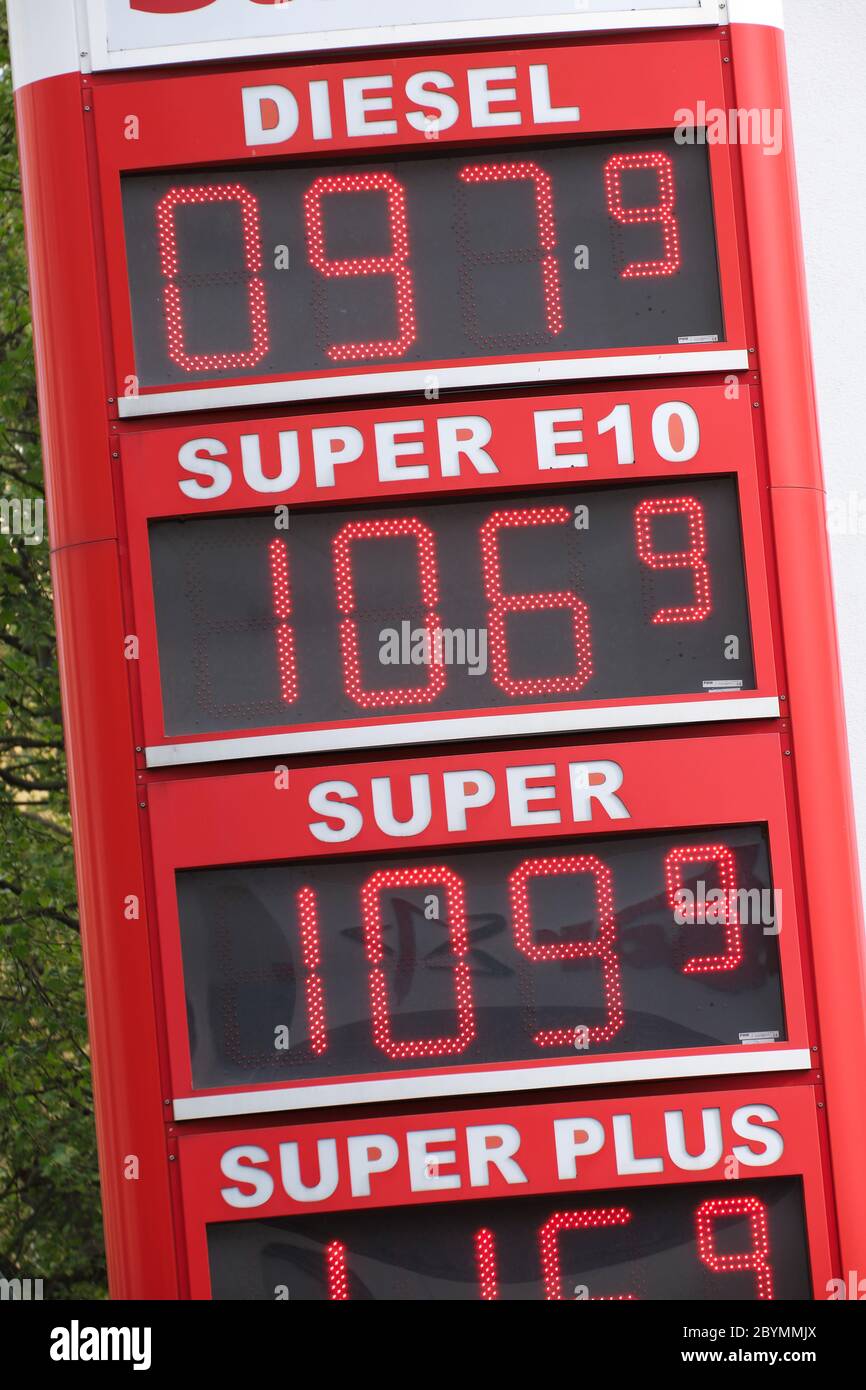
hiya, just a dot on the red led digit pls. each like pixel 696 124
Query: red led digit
pixel 727 909
pixel 170 260
pixel 526 171
pixel 661 212
pixel 282 596
pixel 312 956
pixel 345 585
pixel 708 1213
pixel 590 1220
pixel 603 948
pixel 693 559
pixel 338 1277
pixel 501 604
pixel 455 899
pixel 396 264
pixel 485 1260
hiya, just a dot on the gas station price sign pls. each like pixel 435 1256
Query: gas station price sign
pixel 489 567
pixel 584 1199
pixel 417 422
pixel 495 921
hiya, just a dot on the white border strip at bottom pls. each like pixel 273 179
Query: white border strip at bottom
pixel 445 378
pixel 316 1096
pixel 713 710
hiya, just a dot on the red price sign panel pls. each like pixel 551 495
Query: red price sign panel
pixel 240 578
pixel 487 567
pixel 478 923
pixel 354 229
pixel 704 1196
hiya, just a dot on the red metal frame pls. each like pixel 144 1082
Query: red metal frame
pixel 821 759
pixel 620 87
pixel 247 819
pixel 201 1180
pixel 118 951
pixel 151 475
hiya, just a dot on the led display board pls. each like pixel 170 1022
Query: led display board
pixel 484 922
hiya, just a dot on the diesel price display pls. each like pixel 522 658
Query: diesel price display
pixel 544 249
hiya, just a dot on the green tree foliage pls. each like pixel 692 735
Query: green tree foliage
pixel 50 1224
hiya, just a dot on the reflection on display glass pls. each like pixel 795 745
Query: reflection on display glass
pixel 557 950
pixel 624 591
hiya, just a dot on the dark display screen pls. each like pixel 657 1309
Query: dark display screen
pixel 549 598
pixel 290 270
pixel 701 1242
pixel 558 950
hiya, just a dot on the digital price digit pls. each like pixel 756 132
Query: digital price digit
pixel 455 898
pixel 502 604
pixel 755 1259
pixel 728 910
pixel 171 269
pixel 661 212
pixel 694 559
pixel 528 172
pixel 396 263
pixel 602 949
pixel 426 547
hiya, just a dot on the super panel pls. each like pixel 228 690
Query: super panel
pixel 478 923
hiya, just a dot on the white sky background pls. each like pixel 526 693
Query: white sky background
pixel 826 52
